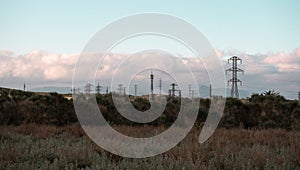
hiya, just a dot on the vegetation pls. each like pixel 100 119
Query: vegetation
pixel 17 107
pixel 50 147
pixel 260 111
pixel 258 133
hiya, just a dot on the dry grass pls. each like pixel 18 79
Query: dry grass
pixel 40 146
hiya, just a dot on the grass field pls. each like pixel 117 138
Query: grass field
pixel 67 147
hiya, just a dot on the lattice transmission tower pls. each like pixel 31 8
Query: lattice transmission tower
pixel 234 80
pixel 98 88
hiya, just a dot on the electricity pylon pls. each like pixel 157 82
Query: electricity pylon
pixel 234 80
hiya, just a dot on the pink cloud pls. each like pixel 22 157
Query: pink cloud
pixel 36 65
pixel 285 62
pixel 56 72
pixel 265 69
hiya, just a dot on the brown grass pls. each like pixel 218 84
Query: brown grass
pixel 226 149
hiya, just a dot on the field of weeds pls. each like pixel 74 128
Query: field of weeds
pixel 67 147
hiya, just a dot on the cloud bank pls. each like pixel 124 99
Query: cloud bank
pixel 279 71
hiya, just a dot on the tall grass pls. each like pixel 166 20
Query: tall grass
pixel 67 147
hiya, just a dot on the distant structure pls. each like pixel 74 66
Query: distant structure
pixel 234 80
pixel 98 88
pixel 120 88
pixel 159 86
pixel 135 90
pixel 210 91
pixel 299 95
pixel 106 89
pixel 75 90
pixel 179 93
pixel 191 92
pixel 24 87
pixel 151 78
pixel 124 91
pixel 173 90
pixel 88 88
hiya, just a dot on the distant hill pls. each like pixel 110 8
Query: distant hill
pixel 204 92
pixel 61 90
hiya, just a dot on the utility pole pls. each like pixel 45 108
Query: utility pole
pixel 173 89
pixel 106 89
pixel 24 87
pixel 179 93
pixel 135 90
pixel 190 90
pixel 151 78
pixel 73 90
pixel 234 80
pixel 98 88
pixel 299 95
pixel 159 86
pixel 193 93
pixel 120 88
pixel 210 91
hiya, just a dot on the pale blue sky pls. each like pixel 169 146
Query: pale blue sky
pixel 64 27
pixel 256 30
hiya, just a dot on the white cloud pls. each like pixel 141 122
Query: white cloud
pixel 36 65
pixel 285 62
pixel 56 72
pixel 273 70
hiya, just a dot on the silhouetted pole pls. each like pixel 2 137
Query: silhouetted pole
pixel 106 89
pixel 135 89
pixel 210 91
pixel 120 88
pixel 24 87
pixel 193 93
pixel 151 78
pixel 190 89
pixel 173 89
pixel 159 86
pixel 234 80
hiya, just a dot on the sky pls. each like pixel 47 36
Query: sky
pixel 265 34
